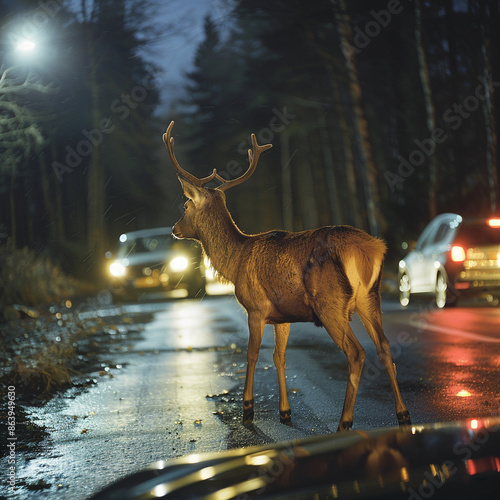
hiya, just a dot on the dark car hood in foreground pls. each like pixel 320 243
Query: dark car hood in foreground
pixel 453 460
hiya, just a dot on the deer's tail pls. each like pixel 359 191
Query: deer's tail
pixel 369 257
pixel 361 254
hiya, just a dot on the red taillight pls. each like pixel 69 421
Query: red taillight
pixel 457 254
pixel 475 424
pixel 494 222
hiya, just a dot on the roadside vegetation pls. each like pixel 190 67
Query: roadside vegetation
pixel 29 278
pixel 46 344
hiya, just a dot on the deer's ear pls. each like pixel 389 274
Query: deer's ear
pixel 191 191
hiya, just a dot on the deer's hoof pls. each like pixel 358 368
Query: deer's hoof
pixel 345 426
pixel 404 418
pixel 286 416
pixel 248 412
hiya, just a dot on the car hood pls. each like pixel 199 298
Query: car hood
pixel 453 460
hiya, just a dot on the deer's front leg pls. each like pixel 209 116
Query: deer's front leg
pixel 256 330
pixel 281 333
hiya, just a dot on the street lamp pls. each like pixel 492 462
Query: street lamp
pixel 25 45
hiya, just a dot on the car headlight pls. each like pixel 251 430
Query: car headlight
pixel 117 269
pixel 179 264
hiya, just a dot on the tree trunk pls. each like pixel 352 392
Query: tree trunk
pixel 429 108
pixel 332 184
pixel 95 177
pixel 286 182
pixel 352 213
pixel 451 37
pixel 489 117
pixel 58 211
pixel 48 200
pixel 306 194
pixel 12 201
pixel 368 169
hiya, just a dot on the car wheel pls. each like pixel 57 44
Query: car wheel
pixel 404 290
pixel 443 296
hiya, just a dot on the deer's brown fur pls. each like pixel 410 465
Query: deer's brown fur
pixel 322 276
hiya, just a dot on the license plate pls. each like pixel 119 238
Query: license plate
pixel 147 282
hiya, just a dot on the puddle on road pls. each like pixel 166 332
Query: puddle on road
pixel 266 428
pixel 114 336
pixel 59 354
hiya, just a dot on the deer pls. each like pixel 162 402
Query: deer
pixel 322 275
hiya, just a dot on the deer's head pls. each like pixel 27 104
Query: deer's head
pixel 203 202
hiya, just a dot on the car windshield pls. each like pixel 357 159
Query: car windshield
pixel 146 244
pixel 479 234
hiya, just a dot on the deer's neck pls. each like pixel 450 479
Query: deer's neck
pixel 222 242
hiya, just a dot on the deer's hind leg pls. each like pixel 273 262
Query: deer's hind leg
pixel 333 302
pixel 368 308
pixel 337 325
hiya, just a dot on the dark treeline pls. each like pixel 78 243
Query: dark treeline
pixel 89 171
pixel 382 114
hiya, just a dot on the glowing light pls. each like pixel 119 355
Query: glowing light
pixel 26 45
pixel 160 491
pixel 207 473
pixel 464 394
pixel 179 264
pixel 117 269
pixel 123 238
pixel 494 222
pixel 474 424
pixel 258 460
pixel 457 254
pixel 405 476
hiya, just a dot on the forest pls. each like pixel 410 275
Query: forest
pixel 382 114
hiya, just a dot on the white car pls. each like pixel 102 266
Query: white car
pixel 152 260
pixel 453 257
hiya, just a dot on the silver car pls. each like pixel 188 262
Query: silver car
pixel 152 260
pixel 453 257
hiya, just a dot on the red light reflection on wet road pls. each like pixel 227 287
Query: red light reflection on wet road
pixel 460 350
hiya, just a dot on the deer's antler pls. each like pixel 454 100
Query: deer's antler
pixel 253 157
pixel 169 144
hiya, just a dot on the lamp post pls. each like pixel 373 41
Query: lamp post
pixel 25 45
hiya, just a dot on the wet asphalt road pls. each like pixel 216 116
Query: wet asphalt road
pixel 179 389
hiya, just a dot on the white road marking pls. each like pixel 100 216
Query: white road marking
pixel 422 325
